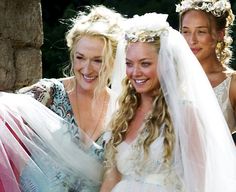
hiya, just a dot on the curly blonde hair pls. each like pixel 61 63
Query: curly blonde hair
pixel 102 23
pixel 129 101
pixel 222 22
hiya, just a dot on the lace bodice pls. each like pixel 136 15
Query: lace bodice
pixel 222 94
pixel 145 175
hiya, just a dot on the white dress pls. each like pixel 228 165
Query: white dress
pixel 222 94
pixel 151 175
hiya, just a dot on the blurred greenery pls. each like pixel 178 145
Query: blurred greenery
pixel 56 19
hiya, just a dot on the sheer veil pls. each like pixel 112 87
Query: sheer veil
pixel 33 136
pixel 204 146
pixel 119 68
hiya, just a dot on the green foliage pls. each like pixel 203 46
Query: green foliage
pixel 55 54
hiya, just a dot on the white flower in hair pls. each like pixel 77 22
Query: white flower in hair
pixel 145 28
pixel 217 8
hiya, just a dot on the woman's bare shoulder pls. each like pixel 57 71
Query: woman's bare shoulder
pixel 232 92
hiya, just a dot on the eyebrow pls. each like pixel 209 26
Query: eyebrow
pixel 199 27
pixel 95 57
pixel 144 59
pixel 78 53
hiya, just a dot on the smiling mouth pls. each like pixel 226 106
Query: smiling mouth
pixel 89 78
pixel 140 81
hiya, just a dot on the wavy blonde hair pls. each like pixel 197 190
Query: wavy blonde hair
pixel 102 23
pixel 129 101
pixel 223 22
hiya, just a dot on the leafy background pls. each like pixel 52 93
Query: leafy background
pixel 56 15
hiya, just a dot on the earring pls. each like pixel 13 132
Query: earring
pixel 219 45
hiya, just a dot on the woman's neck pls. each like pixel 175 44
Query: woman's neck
pixel 211 65
pixel 84 93
pixel 146 103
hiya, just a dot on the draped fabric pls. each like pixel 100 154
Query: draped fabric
pixel 204 144
pixel 38 153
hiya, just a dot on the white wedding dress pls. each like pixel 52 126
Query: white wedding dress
pixel 146 176
pixel 204 156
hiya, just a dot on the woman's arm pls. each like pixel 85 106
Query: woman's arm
pixel 111 177
pixel 232 92
pixel 232 96
pixel 42 91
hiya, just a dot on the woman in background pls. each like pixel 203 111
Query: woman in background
pixel 205 24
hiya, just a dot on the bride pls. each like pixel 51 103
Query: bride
pixel 169 134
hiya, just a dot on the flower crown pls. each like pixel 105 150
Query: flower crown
pixel 217 8
pixel 145 28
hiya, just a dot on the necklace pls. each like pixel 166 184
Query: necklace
pixel 91 114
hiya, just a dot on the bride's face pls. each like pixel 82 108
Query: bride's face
pixel 141 67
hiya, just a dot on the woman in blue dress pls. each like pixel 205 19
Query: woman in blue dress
pixel 64 149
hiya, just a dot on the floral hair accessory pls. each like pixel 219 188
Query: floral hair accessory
pixel 217 8
pixel 144 28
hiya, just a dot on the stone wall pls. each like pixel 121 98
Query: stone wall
pixel 21 36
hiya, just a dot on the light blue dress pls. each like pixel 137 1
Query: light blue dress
pixel 51 92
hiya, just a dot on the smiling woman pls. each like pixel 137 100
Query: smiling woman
pixel 166 131
pixel 83 100
pixel 92 54
pixel 88 62
pixel 141 67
